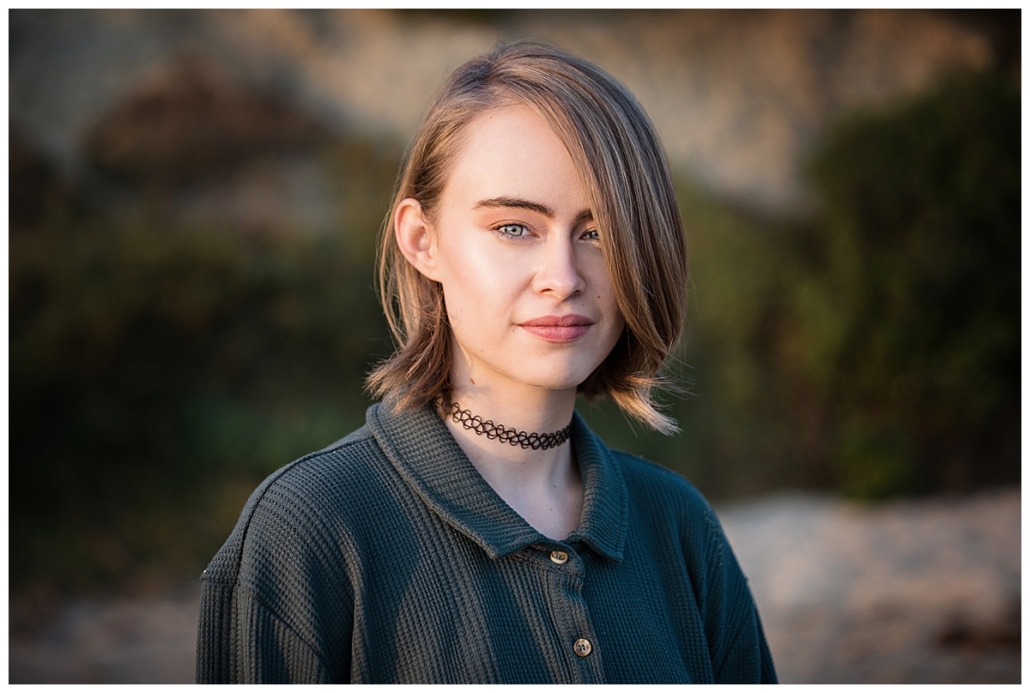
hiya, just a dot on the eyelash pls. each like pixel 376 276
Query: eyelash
pixel 500 229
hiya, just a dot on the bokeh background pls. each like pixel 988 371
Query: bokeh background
pixel 194 200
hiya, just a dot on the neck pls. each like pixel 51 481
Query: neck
pixel 528 409
pixel 548 414
pixel 543 486
pixel 527 440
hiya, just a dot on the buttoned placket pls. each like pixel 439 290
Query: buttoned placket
pixel 566 573
pixel 431 462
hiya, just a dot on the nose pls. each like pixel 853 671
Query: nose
pixel 558 273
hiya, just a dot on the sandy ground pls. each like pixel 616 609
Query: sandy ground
pixel 908 592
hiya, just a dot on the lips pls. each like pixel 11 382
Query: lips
pixel 558 328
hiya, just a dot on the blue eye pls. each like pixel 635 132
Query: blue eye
pixel 592 235
pixel 513 230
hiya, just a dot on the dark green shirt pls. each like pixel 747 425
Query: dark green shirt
pixel 387 558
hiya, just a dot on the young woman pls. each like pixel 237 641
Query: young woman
pixel 475 530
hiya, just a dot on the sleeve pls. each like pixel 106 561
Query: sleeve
pixel 736 647
pixel 737 644
pixel 241 641
pixel 276 601
pixel 747 658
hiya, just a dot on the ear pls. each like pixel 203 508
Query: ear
pixel 415 237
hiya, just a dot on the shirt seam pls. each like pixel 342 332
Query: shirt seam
pixel 736 637
pixel 275 614
pixel 340 444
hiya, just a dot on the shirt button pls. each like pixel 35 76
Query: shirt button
pixel 582 647
pixel 559 557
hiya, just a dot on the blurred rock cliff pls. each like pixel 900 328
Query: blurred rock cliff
pixel 222 114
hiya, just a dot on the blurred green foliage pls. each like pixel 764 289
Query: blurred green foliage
pixel 908 313
pixel 159 372
pixel 873 349
pixel 151 366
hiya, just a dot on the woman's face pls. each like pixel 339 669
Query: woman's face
pixel 514 245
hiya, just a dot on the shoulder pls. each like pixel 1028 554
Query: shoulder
pixel 322 484
pixel 317 480
pixel 282 580
pixel 304 508
pixel 668 504
pixel 660 485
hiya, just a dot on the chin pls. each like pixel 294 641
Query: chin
pixel 567 380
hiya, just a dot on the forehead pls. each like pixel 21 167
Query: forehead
pixel 512 150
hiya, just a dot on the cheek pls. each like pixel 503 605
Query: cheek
pixel 476 284
pixel 604 292
pixel 605 295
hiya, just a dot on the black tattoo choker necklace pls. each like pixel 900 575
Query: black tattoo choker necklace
pixel 512 436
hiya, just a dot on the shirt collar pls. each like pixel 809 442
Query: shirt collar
pixel 432 463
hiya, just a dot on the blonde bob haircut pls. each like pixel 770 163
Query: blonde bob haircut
pixel 622 165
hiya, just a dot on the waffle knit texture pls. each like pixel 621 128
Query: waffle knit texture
pixel 387 558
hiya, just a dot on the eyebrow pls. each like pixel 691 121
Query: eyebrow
pixel 519 203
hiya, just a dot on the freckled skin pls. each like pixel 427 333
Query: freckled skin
pixel 530 304
pixel 503 265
